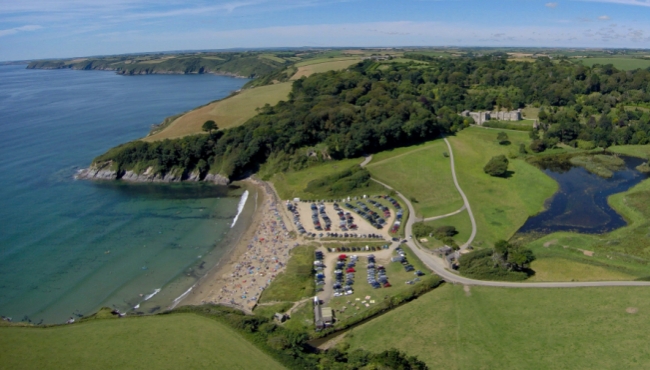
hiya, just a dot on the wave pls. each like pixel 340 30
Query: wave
pixel 180 298
pixel 240 207
pixel 148 297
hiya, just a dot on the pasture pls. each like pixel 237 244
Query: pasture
pixel 179 341
pixel 500 205
pixel 421 173
pixel 625 64
pixel 323 65
pixel 229 112
pixel 456 327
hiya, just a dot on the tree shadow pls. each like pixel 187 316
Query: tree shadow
pixel 508 174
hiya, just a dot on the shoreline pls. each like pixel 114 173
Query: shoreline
pixel 258 255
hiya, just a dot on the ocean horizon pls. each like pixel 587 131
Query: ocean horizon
pixel 69 247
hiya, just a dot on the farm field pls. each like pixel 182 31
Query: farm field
pixel 620 63
pixel 306 70
pixel 178 341
pixel 420 172
pixel 500 205
pixel 229 112
pixel 494 328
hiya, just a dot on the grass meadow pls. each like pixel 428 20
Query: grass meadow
pixel 230 112
pixel 620 63
pixel 420 172
pixel 641 151
pixel 460 221
pixel 292 184
pixel 500 205
pixel 296 282
pixel 308 68
pixel 179 341
pixel 454 327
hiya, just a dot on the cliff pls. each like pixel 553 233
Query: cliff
pixel 107 171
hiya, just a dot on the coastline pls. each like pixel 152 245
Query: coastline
pixel 240 277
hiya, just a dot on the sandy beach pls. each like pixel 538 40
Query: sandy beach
pixel 260 254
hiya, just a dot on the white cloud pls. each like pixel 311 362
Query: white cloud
pixel 11 31
pixel 604 18
pixel 551 5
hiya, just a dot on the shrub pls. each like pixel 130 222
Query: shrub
pixel 497 166
pixel 537 146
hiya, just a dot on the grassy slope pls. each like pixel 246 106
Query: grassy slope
pixel 422 172
pixel 494 328
pixel 619 63
pixel 641 151
pixel 462 224
pixel 229 112
pixel 180 341
pixel 292 284
pixel 325 66
pixel 500 205
pixel 292 184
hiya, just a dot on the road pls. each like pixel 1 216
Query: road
pixel 438 266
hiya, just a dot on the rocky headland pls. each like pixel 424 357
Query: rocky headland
pixel 106 171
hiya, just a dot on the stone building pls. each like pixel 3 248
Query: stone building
pixel 480 117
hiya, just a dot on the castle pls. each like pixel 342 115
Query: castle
pixel 480 117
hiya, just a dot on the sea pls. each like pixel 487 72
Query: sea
pixel 69 247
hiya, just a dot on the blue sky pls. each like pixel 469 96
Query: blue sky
pixel 32 29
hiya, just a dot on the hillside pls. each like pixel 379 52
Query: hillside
pixel 246 64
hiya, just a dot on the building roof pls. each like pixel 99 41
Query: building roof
pixel 327 313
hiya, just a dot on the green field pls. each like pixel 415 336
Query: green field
pixel 308 68
pixel 179 341
pixel 561 269
pixel 420 172
pixel 296 282
pixel 641 151
pixel 620 63
pixel 229 112
pixel 500 205
pixel 500 328
pixel 462 224
pixel 292 184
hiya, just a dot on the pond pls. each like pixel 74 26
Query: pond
pixel 580 205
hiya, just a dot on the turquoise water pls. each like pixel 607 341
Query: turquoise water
pixel 69 247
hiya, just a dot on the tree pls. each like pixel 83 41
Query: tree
pixel 537 146
pixel 209 126
pixel 522 149
pixel 497 166
pixel 502 137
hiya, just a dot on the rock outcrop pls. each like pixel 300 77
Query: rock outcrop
pixel 105 171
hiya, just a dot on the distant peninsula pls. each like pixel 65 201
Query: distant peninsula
pixel 236 64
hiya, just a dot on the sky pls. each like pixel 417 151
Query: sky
pixel 38 29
